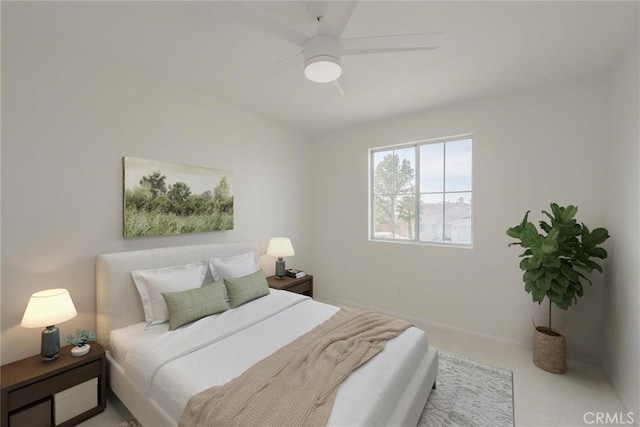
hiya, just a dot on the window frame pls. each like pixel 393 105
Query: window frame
pixel 417 193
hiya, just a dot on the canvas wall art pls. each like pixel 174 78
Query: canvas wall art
pixel 163 198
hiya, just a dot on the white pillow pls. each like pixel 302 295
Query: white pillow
pixel 233 266
pixel 152 283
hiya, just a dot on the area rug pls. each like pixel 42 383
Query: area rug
pixel 469 393
pixel 130 423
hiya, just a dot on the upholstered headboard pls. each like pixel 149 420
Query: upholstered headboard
pixel 118 302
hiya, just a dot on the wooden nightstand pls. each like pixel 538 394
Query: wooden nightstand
pixel 303 285
pixel 62 392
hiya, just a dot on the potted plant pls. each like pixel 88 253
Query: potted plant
pixel 554 262
pixel 81 341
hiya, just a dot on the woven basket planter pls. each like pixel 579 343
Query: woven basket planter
pixel 549 350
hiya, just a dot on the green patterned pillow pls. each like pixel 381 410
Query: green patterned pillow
pixel 193 304
pixel 246 288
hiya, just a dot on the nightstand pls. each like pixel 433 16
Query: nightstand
pixel 303 285
pixel 62 392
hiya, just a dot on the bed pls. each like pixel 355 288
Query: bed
pixel 154 377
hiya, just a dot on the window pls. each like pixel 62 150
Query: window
pixel 422 192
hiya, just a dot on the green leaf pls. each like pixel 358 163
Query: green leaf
pixel 550 243
pixel 533 275
pixel 563 282
pixel 557 288
pixel 585 278
pixel 599 235
pixel 551 217
pixel 568 272
pixel 538 294
pixel 530 237
pixel 573 230
pixel 551 262
pixel 544 284
pixel 553 273
pixel 557 299
pixel 579 289
pixel 593 265
pixel 528 286
pixel 526 253
pixel 597 252
pixel 569 213
pixel 517 230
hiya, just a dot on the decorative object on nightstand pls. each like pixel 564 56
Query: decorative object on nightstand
pixel 80 341
pixel 280 247
pixel 292 272
pixel 46 309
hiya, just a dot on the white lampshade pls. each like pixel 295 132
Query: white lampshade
pixel 280 247
pixel 47 308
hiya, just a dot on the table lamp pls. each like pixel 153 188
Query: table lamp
pixel 45 309
pixel 280 247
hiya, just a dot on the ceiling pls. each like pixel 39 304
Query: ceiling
pixel 216 48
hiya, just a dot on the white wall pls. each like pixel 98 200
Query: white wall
pixel 622 296
pixel 68 118
pixel 530 148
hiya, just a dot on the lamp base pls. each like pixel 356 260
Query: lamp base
pixel 279 269
pixel 50 359
pixel 50 344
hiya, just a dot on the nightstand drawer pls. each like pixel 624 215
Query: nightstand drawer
pixel 302 288
pixel 35 415
pixel 33 392
pixel 75 400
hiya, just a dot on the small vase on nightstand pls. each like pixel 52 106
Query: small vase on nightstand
pixel 80 351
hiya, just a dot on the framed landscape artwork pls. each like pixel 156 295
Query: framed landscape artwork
pixel 166 198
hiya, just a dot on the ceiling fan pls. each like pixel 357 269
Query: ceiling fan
pixel 322 53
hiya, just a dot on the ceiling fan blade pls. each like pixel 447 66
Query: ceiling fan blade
pixel 343 84
pixel 392 43
pixel 277 64
pixel 238 12
pixel 335 17
pixel 386 50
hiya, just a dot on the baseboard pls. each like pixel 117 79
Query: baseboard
pixel 416 320
pixel 621 398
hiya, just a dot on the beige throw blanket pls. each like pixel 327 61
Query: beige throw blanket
pixel 296 385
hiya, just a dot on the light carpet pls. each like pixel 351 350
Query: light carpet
pixel 468 394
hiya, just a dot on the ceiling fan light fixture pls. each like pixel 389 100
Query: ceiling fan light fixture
pixel 322 55
pixel 322 69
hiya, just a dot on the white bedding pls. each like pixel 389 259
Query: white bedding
pixel 162 364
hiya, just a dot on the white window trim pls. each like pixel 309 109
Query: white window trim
pixel 416 240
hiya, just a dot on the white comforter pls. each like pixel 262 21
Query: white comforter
pixel 171 366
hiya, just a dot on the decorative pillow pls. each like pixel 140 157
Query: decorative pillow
pixel 233 266
pixel 246 288
pixel 193 304
pixel 152 283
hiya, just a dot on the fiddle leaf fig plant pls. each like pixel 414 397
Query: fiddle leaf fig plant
pixel 557 256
